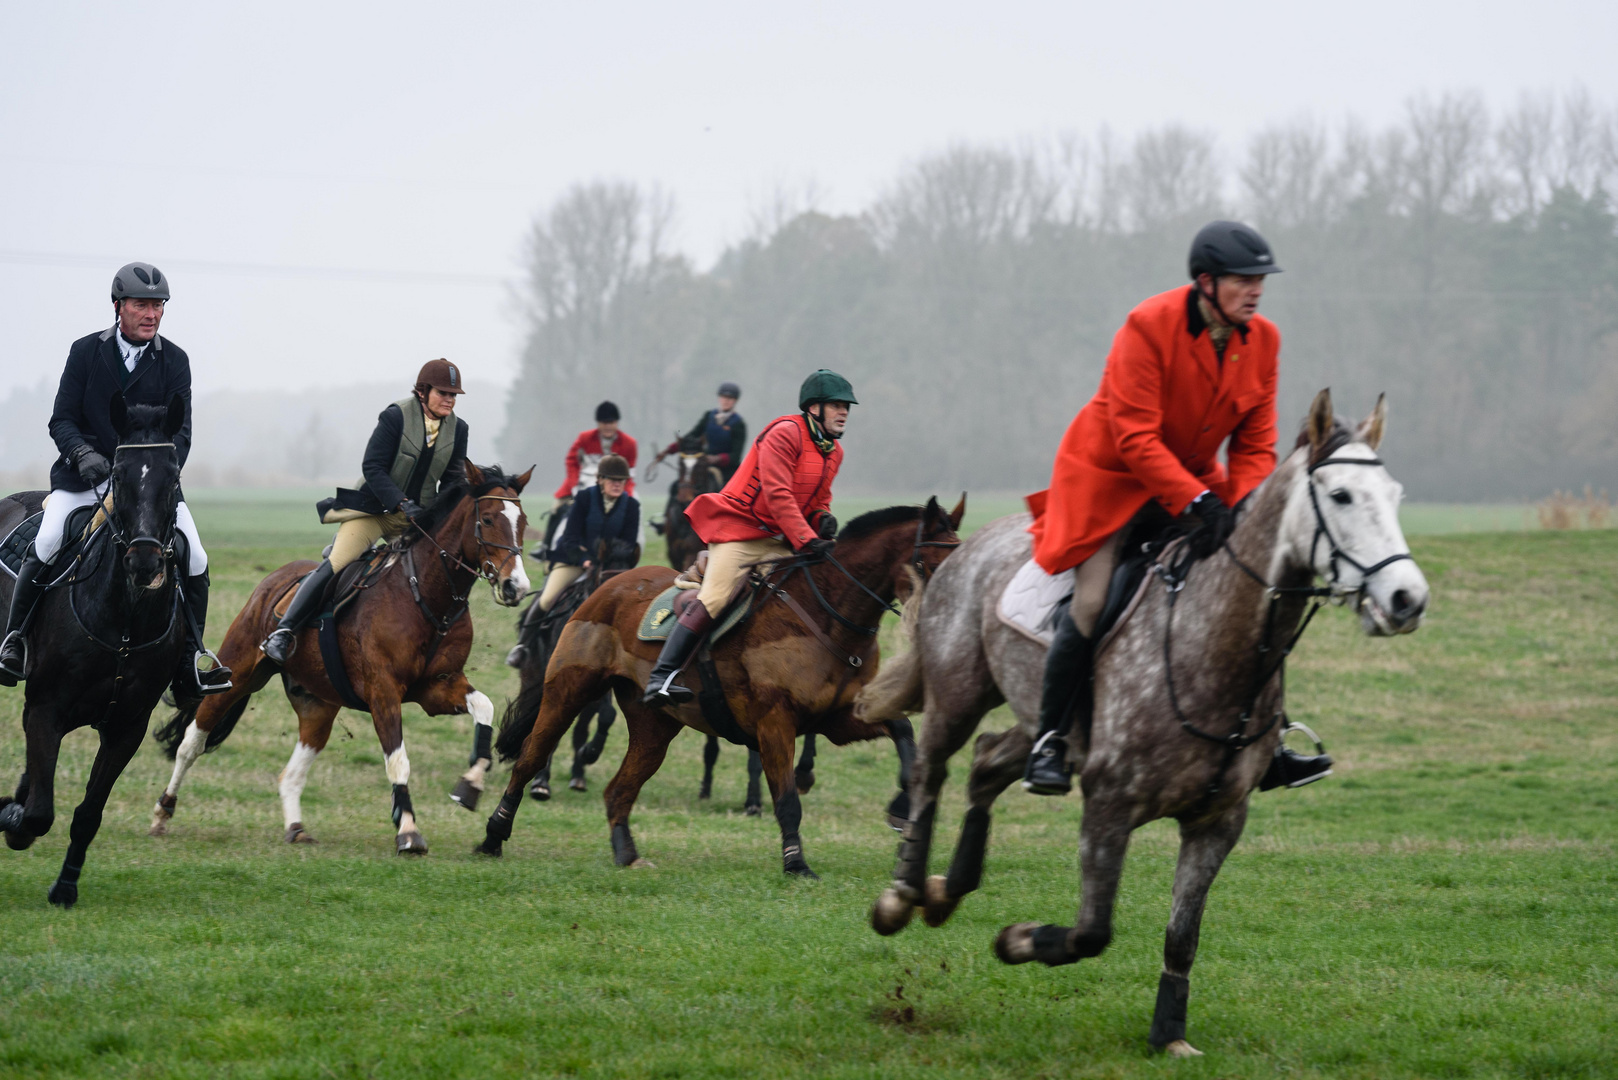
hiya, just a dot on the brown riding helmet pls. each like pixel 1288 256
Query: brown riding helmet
pixel 440 375
pixel 612 467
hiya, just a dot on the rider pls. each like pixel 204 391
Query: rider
pixel 583 458
pixel 130 358
pixel 411 458
pixel 776 504
pixel 723 433
pixel 1189 368
pixel 602 512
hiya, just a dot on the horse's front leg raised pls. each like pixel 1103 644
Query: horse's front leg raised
pixel 33 811
pixel 1103 841
pixel 998 762
pixel 389 723
pixel 119 741
pixel 1203 848
pixel 469 788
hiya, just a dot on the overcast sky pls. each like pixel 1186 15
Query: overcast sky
pixel 339 191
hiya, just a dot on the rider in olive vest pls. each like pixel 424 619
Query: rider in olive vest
pixel 417 450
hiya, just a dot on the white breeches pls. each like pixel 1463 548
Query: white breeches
pixel 59 504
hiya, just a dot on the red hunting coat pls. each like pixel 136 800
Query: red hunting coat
pixel 783 484
pixel 586 450
pixel 1154 428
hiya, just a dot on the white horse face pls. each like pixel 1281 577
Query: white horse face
pixel 1354 515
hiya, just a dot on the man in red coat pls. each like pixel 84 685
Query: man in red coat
pixel 1190 369
pixel 777 503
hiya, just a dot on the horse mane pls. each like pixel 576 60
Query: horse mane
pixel 873 520
pixel 145 424
pixel 452 497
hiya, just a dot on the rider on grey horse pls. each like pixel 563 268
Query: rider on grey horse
pixel 1190 368
pixel 132 359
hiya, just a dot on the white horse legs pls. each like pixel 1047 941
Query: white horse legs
pixel 190 749
pixel 470 786
pixel 290 785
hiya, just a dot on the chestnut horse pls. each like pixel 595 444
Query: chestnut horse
pixel 794 667
pixel 405 638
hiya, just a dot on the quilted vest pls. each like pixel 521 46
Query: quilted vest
pixel 413 444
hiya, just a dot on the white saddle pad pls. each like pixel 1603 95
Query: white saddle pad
pixel 1031 597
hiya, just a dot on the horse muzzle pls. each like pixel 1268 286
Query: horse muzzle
pixel 1396 608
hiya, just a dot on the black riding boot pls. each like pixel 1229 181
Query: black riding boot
pixel 1067 693
pixel 24 598
pixel 1288 768
pixel 191 678
pixel 688 632
pixel 305 606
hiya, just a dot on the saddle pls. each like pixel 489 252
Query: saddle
pixel 666 608
pixel 75 532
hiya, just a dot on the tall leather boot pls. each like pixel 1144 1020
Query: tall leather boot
pixel 191 679
pixel 24 598
pixel 1068 693
pixel 281 643
pixel 688 632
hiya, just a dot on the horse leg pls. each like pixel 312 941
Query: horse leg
pixel 1203 848
pixel 314 729
pixel 804 774
pixel 903 734
pixel 605 715
pixel 650 733
pixel 775 746
pixel 385 716
pixel 1103 841
pixel 754 806
pixel 227 708
pixel 561 703
pixel 114 754
pixel 34 811
pixel 710 758
pixel 998 762
pixel 581 736
pixel 469 787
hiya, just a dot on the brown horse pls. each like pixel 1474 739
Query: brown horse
pixel 405 638
pixel 793 668
pixel 694 477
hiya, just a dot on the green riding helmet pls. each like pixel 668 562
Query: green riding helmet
pixel 825 385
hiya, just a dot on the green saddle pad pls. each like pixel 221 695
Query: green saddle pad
pixel 659 619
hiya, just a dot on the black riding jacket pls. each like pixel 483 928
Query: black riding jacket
pixel 95 372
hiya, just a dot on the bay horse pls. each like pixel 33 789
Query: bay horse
pixel 1188 692
pixel 406 637
pixel 694 476
pixel 107 636
pixel 793 667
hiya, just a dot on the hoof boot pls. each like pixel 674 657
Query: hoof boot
pixel 409 843
pixel 466 793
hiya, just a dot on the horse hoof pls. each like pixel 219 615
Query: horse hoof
pixel 891 912
pixel 160 826
pixel 63 894
pixel 800 869
pixel 296 835
pixel 466 794
pixel 752 810
pixel 409 843
pixel 493 851
pixel 19 841
pixel 804 779
pixel 1015 944
pixel 899 812
pixel 577 784
pixel 705 793
pixel 643 864
pixel 590 754
pixel 938 904
pixel 540 792
pixel 1179 1048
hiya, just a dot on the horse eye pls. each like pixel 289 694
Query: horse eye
pixel 1341 497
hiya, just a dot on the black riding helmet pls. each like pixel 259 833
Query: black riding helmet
pixel 606 413
pixel 730 390
pixel 1229 247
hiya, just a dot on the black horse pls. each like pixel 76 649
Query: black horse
pixel 107 636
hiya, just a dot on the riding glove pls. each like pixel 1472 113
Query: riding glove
pixel 411 509
pixel 1217 523
pixel 826 526
pixel 820 545
pixel 93 468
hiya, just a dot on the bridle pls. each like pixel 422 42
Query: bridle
pixel 916 560
pixel 165 548
pixel 1337 552
pixel 487 569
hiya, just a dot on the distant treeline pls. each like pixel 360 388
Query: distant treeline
pixel 1466 264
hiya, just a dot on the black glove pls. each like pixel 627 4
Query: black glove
pixel 1216 522
pixel 93 468
pixel 826 527
pixel 820 545
pixel 411 509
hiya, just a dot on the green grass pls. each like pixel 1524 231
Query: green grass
pixel 1443 906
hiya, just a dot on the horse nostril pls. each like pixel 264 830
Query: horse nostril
pixel 1405 605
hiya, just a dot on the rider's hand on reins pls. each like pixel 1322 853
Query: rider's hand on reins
pixel 1217 523
pixel 820 546
pixel 411 509
pixel 93 467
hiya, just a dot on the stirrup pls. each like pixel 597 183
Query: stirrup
pixel 291 644
pixel 215 678
pixel 668 690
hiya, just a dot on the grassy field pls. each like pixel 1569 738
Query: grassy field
pixel 1444 906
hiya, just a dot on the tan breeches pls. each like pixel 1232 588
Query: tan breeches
pixel 728 568
pixel 355 537
pixel 1090 580
pixel 561 575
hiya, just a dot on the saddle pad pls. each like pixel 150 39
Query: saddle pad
pixel 1031 599
pixel 15 546
pixel 658 621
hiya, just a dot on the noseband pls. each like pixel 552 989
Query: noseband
pixel 488 570
pixel 916 560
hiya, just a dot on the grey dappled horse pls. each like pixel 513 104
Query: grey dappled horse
pixel 1190 743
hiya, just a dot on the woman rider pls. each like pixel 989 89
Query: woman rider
pixel 417 450
pixel 601 512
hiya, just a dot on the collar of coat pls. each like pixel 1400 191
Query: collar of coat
pixel 1195 323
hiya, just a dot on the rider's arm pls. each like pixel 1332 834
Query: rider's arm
pixel 69 409
pixel 1135 381
pixel 1251 452
pixel 572 480
pixel 632 520
pixel 379 455
pixel 738 442
pixel 777 454
pixel 179 382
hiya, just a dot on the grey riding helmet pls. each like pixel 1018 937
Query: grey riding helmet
pixel 140 281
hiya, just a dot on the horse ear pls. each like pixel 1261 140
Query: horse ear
pixel 522 481
pixel 474 475
pixel 1370 429
pixel 1318 426
pixel 174 419
pixel 120 414
pixel 957 514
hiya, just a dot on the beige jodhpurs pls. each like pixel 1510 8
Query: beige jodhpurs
pixel 355 535
pixel 560 576
pixel 1090 581
pixel 728 568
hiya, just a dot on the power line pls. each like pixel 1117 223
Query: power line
pixel 277 270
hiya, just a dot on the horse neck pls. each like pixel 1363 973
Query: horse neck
pixel 869 560
pixel 438 578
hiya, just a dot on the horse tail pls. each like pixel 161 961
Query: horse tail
pixel 897 689
pixel 520 714
pixel 170 734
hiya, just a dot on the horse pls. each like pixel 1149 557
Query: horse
pixel 783 672
pixel 107 636
pixel 541 634
pixel 405 637
pixel 694 477
pixel 1188 692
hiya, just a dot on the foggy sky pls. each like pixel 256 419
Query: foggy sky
pixel 339 191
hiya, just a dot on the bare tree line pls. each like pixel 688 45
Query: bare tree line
pixel 1463 261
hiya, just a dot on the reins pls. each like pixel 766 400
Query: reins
pixel 442 624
